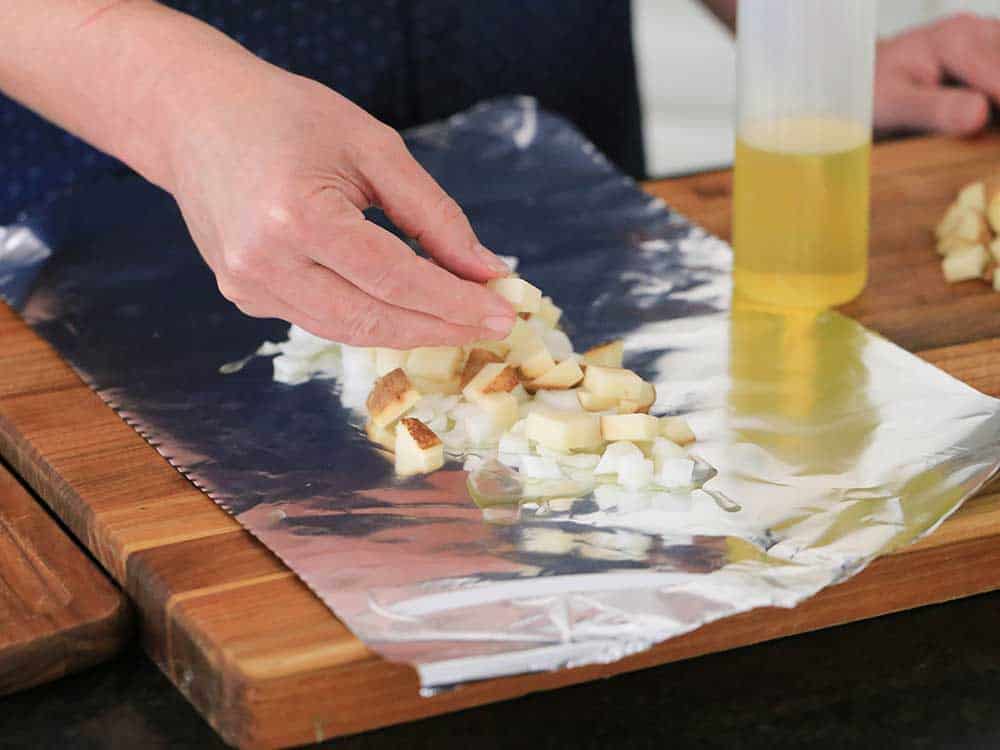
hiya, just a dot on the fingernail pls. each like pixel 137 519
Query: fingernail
pixel 498 325
pixel 492 260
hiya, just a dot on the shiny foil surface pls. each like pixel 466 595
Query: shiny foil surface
pixel 832 445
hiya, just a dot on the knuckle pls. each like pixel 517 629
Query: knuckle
pixel 243 263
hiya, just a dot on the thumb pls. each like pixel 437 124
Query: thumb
pixel 421 208
pixel 939 109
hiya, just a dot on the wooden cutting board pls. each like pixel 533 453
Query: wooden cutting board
pixel 266 662
pixel 59 613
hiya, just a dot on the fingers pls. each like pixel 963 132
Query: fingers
pixel 968 47
pixel 379 264
pixel 953 111
pixel 421 208
pixel 324 304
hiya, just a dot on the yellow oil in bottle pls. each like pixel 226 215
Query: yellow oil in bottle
pixel 800 222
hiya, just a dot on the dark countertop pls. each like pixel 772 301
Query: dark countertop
pixel 928 678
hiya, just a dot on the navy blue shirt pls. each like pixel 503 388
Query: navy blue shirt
pixel 405 61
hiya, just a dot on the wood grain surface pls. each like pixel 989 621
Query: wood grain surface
pixel 59 613
pixel 266 662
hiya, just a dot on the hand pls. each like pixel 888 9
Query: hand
pixel 913 70
pixel 272 175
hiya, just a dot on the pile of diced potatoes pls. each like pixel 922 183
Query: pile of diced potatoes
pixel 966 236
pixel 530 399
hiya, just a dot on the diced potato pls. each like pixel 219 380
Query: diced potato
pixel 387 360
pixel 677 430
pixel 499 348
pixel 502 407
pixel 524 297
pixel 450 387
pixel 434 362
pixel 564 375
pixel 996 280
pixel 631 427
pixel 613 382
pixel 642 404
pixel 522 341
pixel 475 362
pixel 384 436
pixel 963 265
pixel 993 204
pixel 949 245
pixel 558 344
pixel 548 312
pixel 590 402
pixel 965 223
pixel 418 449
pixel 973 196
pixel 564 431
pixel 391 397
pixel 609 354
pixel 493 377
pixel 634 473
pixel 995 250
pixel 537 364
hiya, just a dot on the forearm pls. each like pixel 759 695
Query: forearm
pixel 724 10
pixel 118 73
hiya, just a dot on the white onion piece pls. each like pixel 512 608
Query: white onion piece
pixel 302 343
pixel 511 443
pixel 564 400
pixel 579 460
pixel 511 460
pixel 558 344
pixel 664 449
pixel 675 472
pixel 540 467
pixel 614 454
pixel 291 370
pixel 635 473
pixel 268 349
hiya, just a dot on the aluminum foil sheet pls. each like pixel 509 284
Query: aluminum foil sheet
pixel 832 445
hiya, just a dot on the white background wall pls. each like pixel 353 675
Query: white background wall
pixel 686 62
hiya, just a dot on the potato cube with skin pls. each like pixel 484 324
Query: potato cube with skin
pixel 973 196
pixel 478 358
pixel 963 265
pixel 631 427
pixel 523 297
pixel 609 354
pixel 613 382
pixel 564 431
pixel 387 360
pixel 391 397
pixel 418 449
pixel 590 402
pixel 384 436
pixel 434 362
pixel 561 377
pixel 677 430
pixel 494 377
pixel 549 312
pixel 499 348
pixel 537 364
